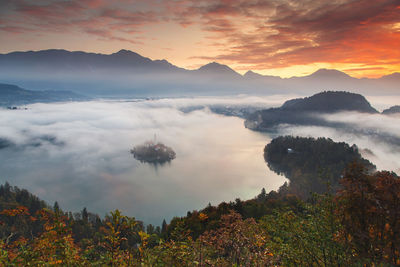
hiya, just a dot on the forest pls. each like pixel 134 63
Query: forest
pixel 351 220
pixel 311 165
pixel 303 111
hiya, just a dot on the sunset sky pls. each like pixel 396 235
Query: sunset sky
pixel 274 37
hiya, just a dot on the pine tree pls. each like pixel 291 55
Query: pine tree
pixel 56 207
pixel 164 228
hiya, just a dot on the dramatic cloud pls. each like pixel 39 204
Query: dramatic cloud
pixel 359 36
pixel 93 17
pixel 273 34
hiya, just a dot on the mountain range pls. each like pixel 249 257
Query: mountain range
pixel 128 73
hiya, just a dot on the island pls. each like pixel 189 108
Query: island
pixel 153 152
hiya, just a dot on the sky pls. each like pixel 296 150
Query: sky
pixel 271 37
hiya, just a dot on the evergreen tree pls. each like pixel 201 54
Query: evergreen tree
pixel 56 207
pixel 164 227
pixel 85 215
pixel 262 196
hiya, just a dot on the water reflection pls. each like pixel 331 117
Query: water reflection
pixel 218 159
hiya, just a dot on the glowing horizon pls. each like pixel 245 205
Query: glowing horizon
pixel 282 38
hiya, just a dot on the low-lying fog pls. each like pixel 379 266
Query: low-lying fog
pixel 78 153
pixel 84 158
pixel 377 136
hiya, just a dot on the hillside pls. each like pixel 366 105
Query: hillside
pixel 392 110
pixel 14 95
pixel 273 229
pixel 311 165
pixel 301 111
pixel 329 102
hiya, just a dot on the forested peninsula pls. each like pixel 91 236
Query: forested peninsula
pixel 303 111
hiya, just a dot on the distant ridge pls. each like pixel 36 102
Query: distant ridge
pixel 129 73
pixel 328 73
pixel 395 77
pixel 215 68
pixel 135 59
pixel 77 60
pixel 252 75
pixel 14 95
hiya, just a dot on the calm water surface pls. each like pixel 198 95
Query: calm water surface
pixel 78 154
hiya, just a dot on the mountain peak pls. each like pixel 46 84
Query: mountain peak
pixel 251 73
pixel 395 76
pixel 329 73
pixel 213 65
pixel 254 75
pixel 217 68
pixel 124 52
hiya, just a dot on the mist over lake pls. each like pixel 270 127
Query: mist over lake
pixel 78 154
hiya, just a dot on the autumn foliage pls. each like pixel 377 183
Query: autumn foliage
pixel 369 209
pixel 357 226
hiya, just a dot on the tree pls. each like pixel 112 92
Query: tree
pixel 150 229
pixel 369 209
pixel 236 242
pixel 164 227
pixel 307 238
pixel 56 207
pixel 116 240
pixel 85 215
pixel 262 196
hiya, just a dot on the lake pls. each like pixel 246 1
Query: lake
pixel 77 153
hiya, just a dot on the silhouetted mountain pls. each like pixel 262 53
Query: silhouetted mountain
pixel 216 69
pixel 14 95
pixel 394 77
pixel 327 74
pixel 250 75
pixel 328 102
pixel 329 79
pixel 392 110
pixel 127 73
pixel 300 111
pixel 62 60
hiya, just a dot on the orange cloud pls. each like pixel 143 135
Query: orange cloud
pixel 259 34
